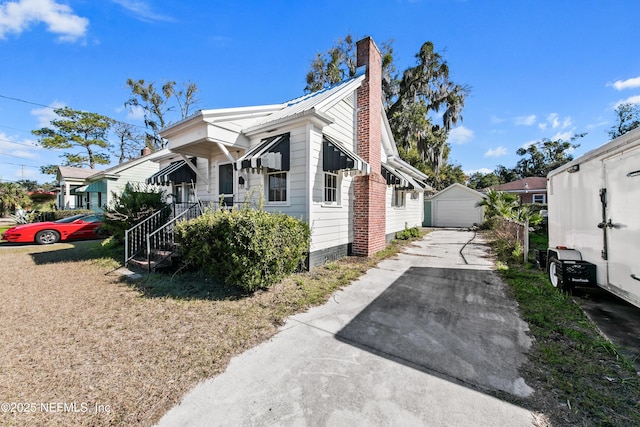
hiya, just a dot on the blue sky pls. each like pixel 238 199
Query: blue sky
pixel 537 69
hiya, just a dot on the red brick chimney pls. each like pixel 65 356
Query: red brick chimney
pixel 370 190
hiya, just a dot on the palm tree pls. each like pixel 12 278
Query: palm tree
pixel 507 205
pixel 12 197
pixel 498 204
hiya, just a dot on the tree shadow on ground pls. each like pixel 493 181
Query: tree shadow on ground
pixel 189 285
pixel 80 251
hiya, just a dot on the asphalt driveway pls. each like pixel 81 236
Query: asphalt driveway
pixel 428 338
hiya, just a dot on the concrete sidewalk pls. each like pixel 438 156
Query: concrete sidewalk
pixel 422 339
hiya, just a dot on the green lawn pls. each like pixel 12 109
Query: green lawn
pixel 579 376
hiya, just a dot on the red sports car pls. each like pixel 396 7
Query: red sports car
pixel 45 233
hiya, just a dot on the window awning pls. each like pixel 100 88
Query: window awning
pixel 176 173
pixel 96 187
pixel 336 157
pixel 78 190
pixel 271 153
pixel 399 179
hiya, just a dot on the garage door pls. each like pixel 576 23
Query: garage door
pixel 457 213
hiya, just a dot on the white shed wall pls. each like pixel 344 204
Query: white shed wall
pixel 456 207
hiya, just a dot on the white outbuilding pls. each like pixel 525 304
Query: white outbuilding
pixel 455 206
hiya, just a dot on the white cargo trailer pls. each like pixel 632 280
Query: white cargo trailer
pixel 594 219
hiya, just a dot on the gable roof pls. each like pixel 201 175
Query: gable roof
pixel 457 185
pixel 533 183
pixel 235 126
pixel 70 172
pixel 313 103
pixel 115 170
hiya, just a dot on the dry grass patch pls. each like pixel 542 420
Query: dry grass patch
pixel 74 333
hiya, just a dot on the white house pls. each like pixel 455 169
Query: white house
pixel 455 206
pixel 91 189
pixel 328 158
pixel 69 179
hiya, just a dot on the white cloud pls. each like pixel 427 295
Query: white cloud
pixel 25 154
pixel 555 122
pixel 460 135
pixel 142 10
pixel 136 113
pixel 525 120
pixel 11 145
pixel 481 170
pixel 496 120
pixel 46 114
pixel 631 100
pixel 17 16
pixel 626 84
pixel 565 136
pixel 496 152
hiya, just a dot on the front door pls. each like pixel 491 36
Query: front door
pixel 622 181
pixel 225 183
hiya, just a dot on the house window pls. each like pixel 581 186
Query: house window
pixel 330 188
pixel 397 198
pixel 277 187
pixel 178 193
pixel 184 193
pixel 539 198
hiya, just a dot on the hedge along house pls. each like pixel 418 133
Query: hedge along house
pixel 328 157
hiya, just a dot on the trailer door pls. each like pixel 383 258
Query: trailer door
pixel 622 181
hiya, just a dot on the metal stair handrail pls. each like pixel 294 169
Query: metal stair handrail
pixel 164 237
pixel 134 237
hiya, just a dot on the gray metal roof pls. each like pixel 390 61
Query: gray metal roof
pixel 310 103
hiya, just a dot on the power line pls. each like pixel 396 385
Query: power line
pixel 55 108
pixel 27 102
pixel 20 130
pixel 18 143
pixel 16 164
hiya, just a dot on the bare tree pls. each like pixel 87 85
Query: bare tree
pixel 130 141
pixel 157 106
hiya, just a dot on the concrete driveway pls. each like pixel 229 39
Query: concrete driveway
pixel 428 338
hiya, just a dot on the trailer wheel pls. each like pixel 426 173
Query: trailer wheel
pixel 553 278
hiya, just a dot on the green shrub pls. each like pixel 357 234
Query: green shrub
pixel 42 197
pixel 248 248
pixel 134 204
pixel 408 233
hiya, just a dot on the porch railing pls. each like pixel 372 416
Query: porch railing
pixel 153 239
pixel 135 238
pixel 160 243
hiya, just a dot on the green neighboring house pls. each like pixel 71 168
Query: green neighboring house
pixel 90 189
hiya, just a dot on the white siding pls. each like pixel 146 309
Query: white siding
pixel 332 224
pixel 410 215
pixel 296 182
pixel 343 127
pixel 136 174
